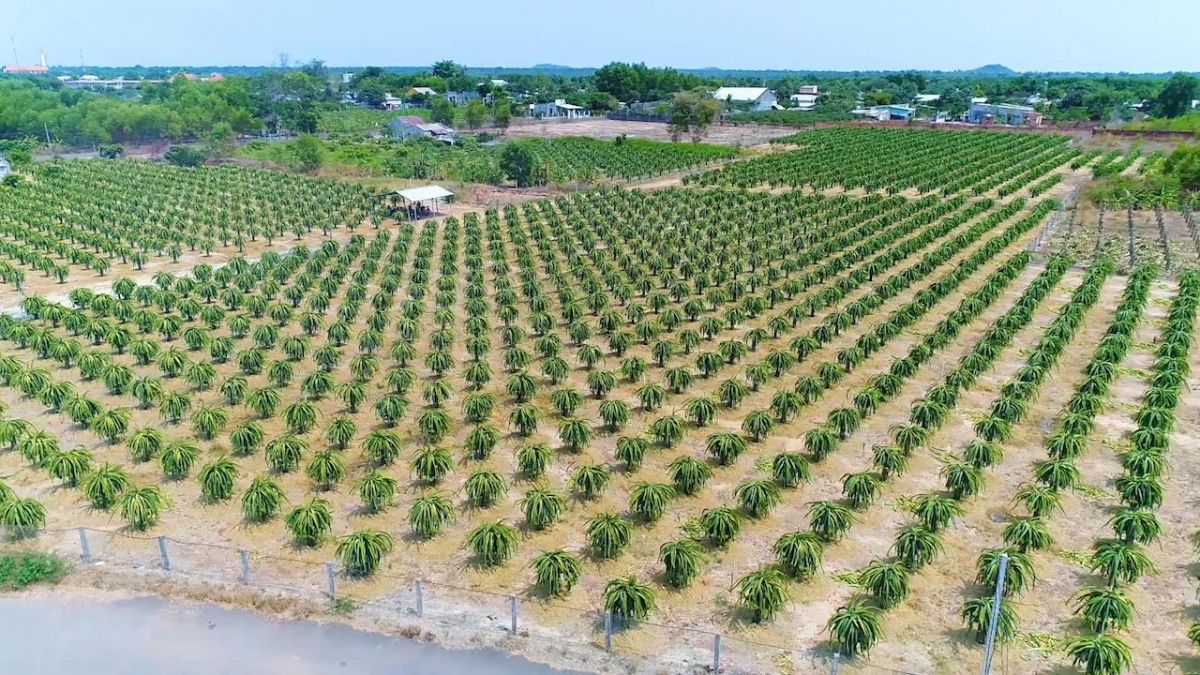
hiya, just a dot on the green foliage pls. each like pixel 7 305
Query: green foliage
pixel 429 513
pixel 763 593
pixel 557 571
pixel 854 629
pixel 310 522
pixel 261 501
pixel 629 599
pixel 22 569
pixel 493 543
pixel 104 486
pixel 607 535
pixel 361 552
pixel 681 560
pixel 376 490
pixel 141 507
pixel 217 479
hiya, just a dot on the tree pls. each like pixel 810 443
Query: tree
pixel 141 507
pixel 448 70
pixel 310 522
pixel 475 113
pixel 441 111
pixel 519 162
pixel 183 155
pixel 429 513
pixel 1100 654
pixel 308 153
pixel 977 614
pixel 502 113
pixel 691 113
pixel 1175 98
pixel 681 559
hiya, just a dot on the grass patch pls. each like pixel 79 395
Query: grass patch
pixel 18 570
pixel 1043 643
pixel 342 606
pixel 1074 557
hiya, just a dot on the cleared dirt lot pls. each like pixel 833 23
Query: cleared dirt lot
pixel 599 127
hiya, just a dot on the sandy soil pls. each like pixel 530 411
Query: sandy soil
pixel 1083 235
pixel 462 599
pixel 746 135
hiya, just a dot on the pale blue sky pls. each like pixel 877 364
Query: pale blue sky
pixel 1037 35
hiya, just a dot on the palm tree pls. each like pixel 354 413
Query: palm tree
pixel 962 480
pixel 725 448
pixel 854 629
pixel 607 535
pixel 69 466
pixel 556 571
pixel 888 583
pixel 681 560
pixel 362 552
pixel 261 501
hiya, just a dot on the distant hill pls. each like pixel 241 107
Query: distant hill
pixel 994 70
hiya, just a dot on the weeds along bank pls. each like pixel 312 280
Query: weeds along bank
pixel 715 408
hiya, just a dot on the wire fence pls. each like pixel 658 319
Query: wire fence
pixel 447 614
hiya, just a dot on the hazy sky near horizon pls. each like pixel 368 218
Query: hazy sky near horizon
pixel 1038 35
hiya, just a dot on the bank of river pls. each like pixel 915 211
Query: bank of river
pixel 58 634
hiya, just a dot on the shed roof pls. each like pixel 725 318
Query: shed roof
pixel 740 93
pixel 424 193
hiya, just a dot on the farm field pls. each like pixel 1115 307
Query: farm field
pixel 795 419
pixel 84 220
pixel 743 136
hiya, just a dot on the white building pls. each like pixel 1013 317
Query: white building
pixel 805 97
pixel 4 167
pixel 759 98
pixel 558 109
pixel 926 99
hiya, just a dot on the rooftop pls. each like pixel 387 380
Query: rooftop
pixel 1007 106
pixel 422 194
pixel 740 93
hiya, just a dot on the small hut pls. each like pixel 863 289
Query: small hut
pixel 416 203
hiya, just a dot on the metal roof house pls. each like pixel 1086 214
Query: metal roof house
pixel 407 127
pixel 759 98
pixel 884 113
pixel 558 109
pixel 1003 113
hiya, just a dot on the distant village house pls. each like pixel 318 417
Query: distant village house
pixel 559 109
pixel 409 127
pixel 754 98
pixel 805 97
pixel 1004 113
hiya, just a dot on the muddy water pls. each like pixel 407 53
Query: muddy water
pixel 150 635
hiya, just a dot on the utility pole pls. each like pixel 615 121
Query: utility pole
pixel 47 129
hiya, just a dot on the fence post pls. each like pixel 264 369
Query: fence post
pixel 608 631
pixel 512 608
pixel 995 617
pixel 162 553
pixel 329 570
pixel 245 556
pixel 420 598
pixel 84 551
pixel 716 654
pixel 837 657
